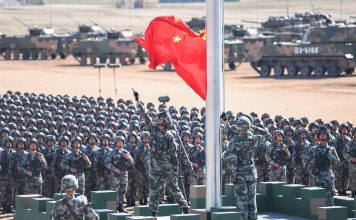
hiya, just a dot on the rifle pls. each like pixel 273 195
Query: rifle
pixel 321 162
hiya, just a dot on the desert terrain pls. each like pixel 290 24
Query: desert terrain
pixel 330 98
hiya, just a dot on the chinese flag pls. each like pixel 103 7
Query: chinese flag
pixel 169 39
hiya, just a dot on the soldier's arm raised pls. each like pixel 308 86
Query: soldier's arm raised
pixel 147 119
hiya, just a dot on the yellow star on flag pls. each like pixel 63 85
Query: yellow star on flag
pixel 176 19
pixel 177 39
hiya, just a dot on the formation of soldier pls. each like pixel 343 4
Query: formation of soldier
pixel 106 146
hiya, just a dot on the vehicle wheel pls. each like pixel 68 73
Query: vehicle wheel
pixel 292 70
pixel 349 71
pixel 112 60
pixel 26 55
pixel 305 71
pixel 7 55
pixel 44 56
pixel 62 56
pixel 34 56
pixel 333 71
pixel 102 60
pixel 123 60
pixel 16 55
pixel 319 71
pixel 92 60
pixel 167 67
pixel 278 70
pixel 142 60
pixel 53 56
pixel 83 60
pixel 265 70
pixel 132 60
pixel 232 66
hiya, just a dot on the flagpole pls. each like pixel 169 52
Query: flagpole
pixel 215 65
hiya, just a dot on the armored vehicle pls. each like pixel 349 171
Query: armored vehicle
pixel 39 43
pixel 323 50
pixel 116 45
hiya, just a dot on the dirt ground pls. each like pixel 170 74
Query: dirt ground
pixel 331 98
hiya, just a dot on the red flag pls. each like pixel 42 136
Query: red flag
pixel 169 39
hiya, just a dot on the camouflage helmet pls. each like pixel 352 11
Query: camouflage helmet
pixel 104 136
pixel 243 123
pixel 120 138
pixel 145 134
pixel 323 129
pixel 9 139
pixel 63 138
pixel 50 138
pixel 198 134
pixel 277 132
pixel 185 132
pixel 302 130
pixel 343 126
pixel 288 128
pixel 33 141
pixel 69 183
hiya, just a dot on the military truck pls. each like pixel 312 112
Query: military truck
pixel 328 50
pixel 116 45
pixel 39 43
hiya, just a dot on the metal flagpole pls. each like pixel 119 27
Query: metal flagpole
pixel 114 66
pixel 215 65
pixel 99 66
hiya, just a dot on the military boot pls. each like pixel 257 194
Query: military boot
pixel 186 210
pixel 120 208
pixel 353 194
pixel 128 201
pixel 154 214
pixel 9 209
pixel 145 201
pixel 141 202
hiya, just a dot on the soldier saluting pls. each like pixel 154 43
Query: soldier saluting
pixel 163 159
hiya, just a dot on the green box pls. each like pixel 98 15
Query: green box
pixel 332 213
pixel 197 203
pixel 265 188
pixel 43 216
pixel 49 206
pixel 229 189
pixel 197 191
pixel 312 198
pixel 346 201
pixel 140 218
pixel 23 202
pixel 203 213
pixel 276 188
pixel 38 205
pixel 290 191
pixel 228 200
pixel 225 216
pixel 185 217
pixel 279 204
pixel 102 199
pixel 164 210
pixel 103 213
pixel 261 200
pixel 118 216
pixel 223 209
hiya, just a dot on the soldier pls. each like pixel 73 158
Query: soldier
pixel 142 155
pixel 262 166
pixel 186 167
pixel 197 158
pixel 57 171
pixel 300 148
pixel 288 141
pixel 90 179
pixel 130 146
pixel 244 145
pixel 342 167
pixel 102 174
pixel 71 208
pixel 76 162
pixel 163 159
pixel 277 157
pixel 48 178
pixel 319 160
pixel 351 157
pixel 33 166
pixel 6 176
pixel 118 161
pixel 19 177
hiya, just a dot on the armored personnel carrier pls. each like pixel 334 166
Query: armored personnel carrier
pixel 328 50
pixel 116 45
pixel 39 43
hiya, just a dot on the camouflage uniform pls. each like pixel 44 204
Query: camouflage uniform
pixel 299 151
pixel 277 155
pixel 185 167
pixel 244 146
pixel 261 162
pixel 163 162
pixel 48 178
pixel 142 155
pixel 80 206
pixel 6 181
pixel 90 180
pixel 32 163
pixel 57 171
pixel 74 160
pixel 319 160
pixel 116 159
pixel 132 187
pixel 19 177
pixel 197 158
pixel 342 167
pixel 351 157
pixel 289 167
pixel 102 174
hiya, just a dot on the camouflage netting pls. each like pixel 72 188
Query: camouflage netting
pixel 20 2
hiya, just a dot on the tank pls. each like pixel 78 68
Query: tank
pixel 39 43
pixel 323 51
pixel 115 46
